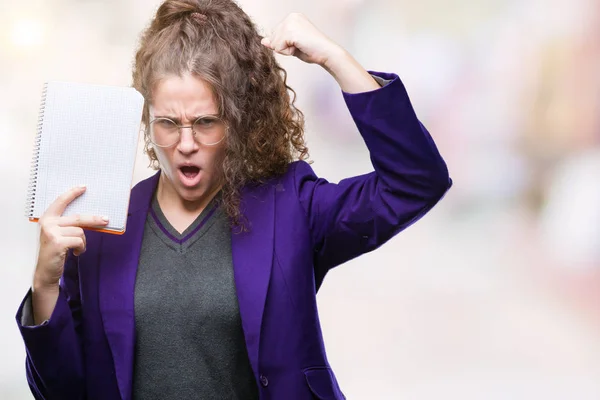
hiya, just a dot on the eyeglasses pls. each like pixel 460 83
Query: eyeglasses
pixel 208 130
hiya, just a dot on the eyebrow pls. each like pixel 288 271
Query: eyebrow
pixel 178 120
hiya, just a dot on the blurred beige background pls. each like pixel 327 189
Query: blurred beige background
pixel 496 293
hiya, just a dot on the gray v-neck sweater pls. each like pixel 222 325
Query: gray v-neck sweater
pixel 189 338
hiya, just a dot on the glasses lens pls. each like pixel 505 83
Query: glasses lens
pixel 164 132
pixel 209 129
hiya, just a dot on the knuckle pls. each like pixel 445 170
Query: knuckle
pixel 53 239
pixel 46 221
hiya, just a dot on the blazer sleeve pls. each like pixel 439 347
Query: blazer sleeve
pixel 54 360
pixel 359 214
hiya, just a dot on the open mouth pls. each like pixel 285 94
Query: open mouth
pixel 189 175
pixel 190 172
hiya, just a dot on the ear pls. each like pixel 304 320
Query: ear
pixel 149 150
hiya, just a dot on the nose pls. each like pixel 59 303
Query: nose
pixel 187 142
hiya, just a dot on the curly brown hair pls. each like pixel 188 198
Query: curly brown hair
pixel 217 41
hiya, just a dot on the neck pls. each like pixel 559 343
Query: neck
pixel 171 202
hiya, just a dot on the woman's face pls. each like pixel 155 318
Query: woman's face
pixel 189 168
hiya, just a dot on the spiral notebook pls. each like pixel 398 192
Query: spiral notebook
pixel 87 134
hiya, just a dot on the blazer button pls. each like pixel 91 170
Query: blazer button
pixel 264 381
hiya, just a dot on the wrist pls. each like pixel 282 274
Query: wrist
pixel 43 284
pixel 349 74
pixel 337 60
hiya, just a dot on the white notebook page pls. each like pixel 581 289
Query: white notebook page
pixel 89 135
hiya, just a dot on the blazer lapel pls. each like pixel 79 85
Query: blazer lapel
pixel 118 268
pixel 252 253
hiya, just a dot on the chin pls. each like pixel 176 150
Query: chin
pixel 191 190
pixel 191 194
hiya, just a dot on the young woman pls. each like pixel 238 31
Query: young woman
pixel 210 293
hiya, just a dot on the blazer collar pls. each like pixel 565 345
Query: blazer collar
pixel 252 254
pixel 119 258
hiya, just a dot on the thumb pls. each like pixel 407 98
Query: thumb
pixel 288 51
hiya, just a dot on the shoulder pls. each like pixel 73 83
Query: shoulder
pixel 286 186
pixel 297 172
pixel 141 193
pixel 294 170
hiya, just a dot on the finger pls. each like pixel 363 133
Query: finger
pixel 77 244
pixel 86 221
pixel 266 42
pixel 283 47
pixel 288 51
pixel 281 42
pixel 74 232
pixel 278 43
pixel 58 206
pixel 277 38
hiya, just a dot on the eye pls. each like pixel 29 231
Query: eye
pixel 206 122
pixel 166 124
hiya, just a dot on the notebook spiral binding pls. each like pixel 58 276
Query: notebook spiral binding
pixel 33 178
